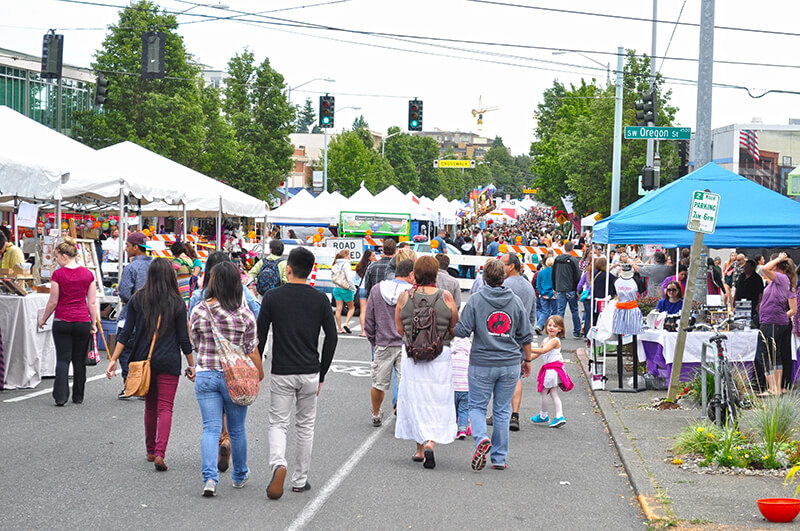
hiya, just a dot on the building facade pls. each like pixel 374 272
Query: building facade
pixel 466 145
pixel 763 153
pixel 23 89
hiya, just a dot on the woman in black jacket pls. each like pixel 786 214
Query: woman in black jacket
pixel 157 309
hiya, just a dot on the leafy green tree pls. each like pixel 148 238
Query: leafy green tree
pixel 306 117
pixel 262 119
pixel 350 163
pixel 217 155
pixel 360 123
pixel 575 133
pixel 424 150
pixel 399 154
pixel 163 115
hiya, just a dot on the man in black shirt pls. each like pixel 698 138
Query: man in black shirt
pixel 750 287
pixel 296 312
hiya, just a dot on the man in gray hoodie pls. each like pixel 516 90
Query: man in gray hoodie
pixel 381 330
pixel 501 326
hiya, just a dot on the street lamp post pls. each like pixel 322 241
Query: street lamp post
pixel 607 65
pixel 325 147
pixel 290 89
pixel 384 139
pixel 289 99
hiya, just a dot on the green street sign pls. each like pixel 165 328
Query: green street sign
pixel 658 133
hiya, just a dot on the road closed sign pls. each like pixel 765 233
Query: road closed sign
pixel 354 245
pixel 703 212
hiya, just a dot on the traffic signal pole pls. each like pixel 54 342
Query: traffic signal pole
pixel 325 163
pixel 616 165
pixel 650 141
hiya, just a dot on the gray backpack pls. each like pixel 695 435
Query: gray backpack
pixel 423 343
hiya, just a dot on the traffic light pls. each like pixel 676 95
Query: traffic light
pixel 100 90
pixel 153 47
pixel 415 115
pixel 327 106
pixel 52 55
pixel 650 178
pixel 646 110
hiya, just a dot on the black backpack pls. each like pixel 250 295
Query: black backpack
pixel 269 277
pixel 424 342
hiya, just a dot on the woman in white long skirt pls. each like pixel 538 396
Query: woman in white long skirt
pixel 425 411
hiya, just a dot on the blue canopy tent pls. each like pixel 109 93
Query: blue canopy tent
pixel 749 214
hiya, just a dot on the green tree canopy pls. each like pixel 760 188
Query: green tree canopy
pixel 575 134
pixel 306 117
pixel 163 115
pixel 257 107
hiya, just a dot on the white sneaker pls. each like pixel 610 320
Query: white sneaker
pixel 210 488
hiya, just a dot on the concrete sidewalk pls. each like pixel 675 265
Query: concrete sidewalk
pixel 671 496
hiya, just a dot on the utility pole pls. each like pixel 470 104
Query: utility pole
pixel 617 152
pixel 702 157
pixel 705 76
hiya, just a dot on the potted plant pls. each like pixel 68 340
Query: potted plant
pixel 782 509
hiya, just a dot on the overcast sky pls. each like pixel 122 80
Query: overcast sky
pixel 380 74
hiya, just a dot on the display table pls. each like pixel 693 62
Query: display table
pixel 29 353
pixel 657 348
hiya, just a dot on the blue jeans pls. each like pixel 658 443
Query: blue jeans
pixel 462 409
pixel 587 313
pixel 483 381
pixel 212 397
pixel 544 310
pixel 570 297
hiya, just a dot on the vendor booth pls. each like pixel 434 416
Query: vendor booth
pixel 750 216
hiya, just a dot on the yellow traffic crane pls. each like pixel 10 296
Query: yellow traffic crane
pixel 478 112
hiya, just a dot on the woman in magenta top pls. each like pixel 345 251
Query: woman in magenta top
pixel 72 296
pixel 778 306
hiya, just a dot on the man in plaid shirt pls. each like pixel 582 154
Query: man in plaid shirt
pixel 381 269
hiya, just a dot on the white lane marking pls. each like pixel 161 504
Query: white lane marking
pixel 45 391
pixel 337 360
pixel 316 504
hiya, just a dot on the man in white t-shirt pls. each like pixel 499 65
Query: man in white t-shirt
pixel 477 241
pixel 111 247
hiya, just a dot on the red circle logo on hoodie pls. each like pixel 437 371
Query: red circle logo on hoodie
pixel 498 323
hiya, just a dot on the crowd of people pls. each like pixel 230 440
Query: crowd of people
pixel 452 369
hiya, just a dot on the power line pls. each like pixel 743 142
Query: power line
pixel 299 24
pixel 635 19
pixel 675 27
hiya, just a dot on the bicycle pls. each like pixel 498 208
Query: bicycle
pixel 724 404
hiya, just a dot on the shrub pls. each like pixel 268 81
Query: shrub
pixel 773 422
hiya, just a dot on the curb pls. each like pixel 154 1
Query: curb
pixel 632 462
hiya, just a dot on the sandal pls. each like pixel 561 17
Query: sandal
pixel 417 458
pixel 347 330
pixel 430 462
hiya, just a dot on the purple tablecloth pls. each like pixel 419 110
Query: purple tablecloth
pixel 657 365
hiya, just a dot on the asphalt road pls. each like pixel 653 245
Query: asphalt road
pixel 83 467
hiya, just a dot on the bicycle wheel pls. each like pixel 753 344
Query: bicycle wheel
pixel 730 395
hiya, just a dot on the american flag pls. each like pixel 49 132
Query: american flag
pixel 749 139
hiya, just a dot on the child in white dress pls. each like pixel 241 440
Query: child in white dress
pixel 551 374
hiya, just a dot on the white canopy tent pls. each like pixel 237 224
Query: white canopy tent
pixel 393 200
pixel 29 180
pixel 300 210
pixel 200 194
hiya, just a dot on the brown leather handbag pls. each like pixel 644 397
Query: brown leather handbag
pixel 138 381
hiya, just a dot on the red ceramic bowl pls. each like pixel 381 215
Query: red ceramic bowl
pixel 779 509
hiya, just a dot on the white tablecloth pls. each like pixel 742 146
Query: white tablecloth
pixel 740 346
pixel 29 353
